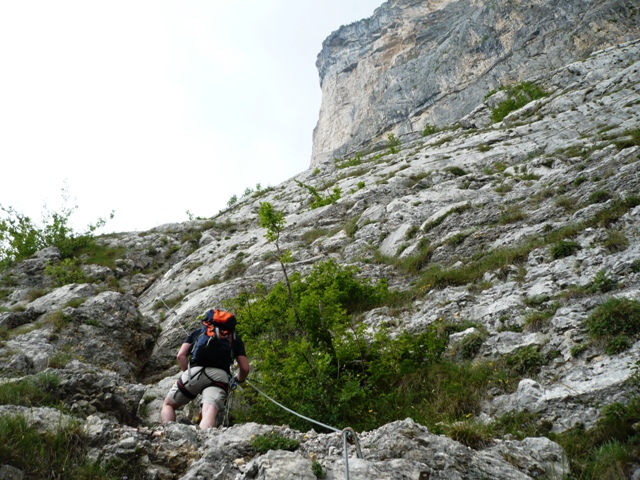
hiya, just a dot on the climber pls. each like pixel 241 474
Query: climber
pixel 205 358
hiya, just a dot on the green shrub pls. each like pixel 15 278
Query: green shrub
pixel 318 470
pixel 603 283
pixel 526 360
pixel 20 237
pixel 517 97
pixel 616 321
pixel 310 236
pixel 274 441
pixel 564 248
pixel 429 130
pixel 539 320
pixel 65 272
pixel 471 345
pixel 522 424
pixel 618 344
pixel 457 171
pixel 319 200
pixel 577 350
pixel 611 460
pixel 393 143
pixel 635 265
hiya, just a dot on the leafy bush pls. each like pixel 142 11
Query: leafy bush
pixel 232 200
pixel 526 360
pixel 564 248
pixel 20 237
pixel 393 143
pixel 319 200
pixel 65 272
pixel 429 130
pixel 603 283
pixel 517 97
pixel 318 470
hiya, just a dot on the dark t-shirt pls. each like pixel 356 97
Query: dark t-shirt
pixel 237 346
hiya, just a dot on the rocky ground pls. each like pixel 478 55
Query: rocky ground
pixel 562 161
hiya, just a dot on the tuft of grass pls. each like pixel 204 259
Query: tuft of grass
pixel 564 248
pixel 457 171
pixel 58 454
pixel 274 441
pixel 511 214
pixel 350 162
pixel 616 241
pixel 312 235
pixel 632 139
pixel 473 434
pixel 32 391
pixel 599 196
pixel 613 320
pixel 526 361
pixel 235 269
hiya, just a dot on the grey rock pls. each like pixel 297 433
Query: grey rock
pixel 414 63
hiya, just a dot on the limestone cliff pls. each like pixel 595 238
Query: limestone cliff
pixel 418 62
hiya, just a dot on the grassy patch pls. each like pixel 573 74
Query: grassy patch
pixel 58 454
pixel 517 97
pixel 273 441
pixel 614 319
pixel 564 248
pixel 32 391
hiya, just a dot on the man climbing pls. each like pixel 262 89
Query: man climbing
pixel 205 358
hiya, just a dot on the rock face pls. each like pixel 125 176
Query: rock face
pixel 418 62
pixel 567 161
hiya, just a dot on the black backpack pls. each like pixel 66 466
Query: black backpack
pixel 214 345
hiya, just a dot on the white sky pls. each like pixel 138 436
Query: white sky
pixel 156 108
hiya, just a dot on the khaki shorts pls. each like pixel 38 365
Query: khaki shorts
pixel 201 383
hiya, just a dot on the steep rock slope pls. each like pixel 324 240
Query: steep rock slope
pixel 565 166
pixel 417 62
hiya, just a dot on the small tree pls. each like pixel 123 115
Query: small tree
pixel 21 237
pixel 274 222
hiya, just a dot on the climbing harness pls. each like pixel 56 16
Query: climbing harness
pixel 348 434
